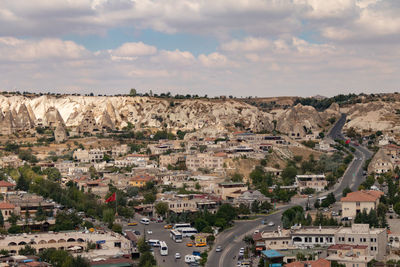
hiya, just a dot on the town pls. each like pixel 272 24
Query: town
pixel 140 180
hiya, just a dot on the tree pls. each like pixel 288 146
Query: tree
pixel 200 224
pixel 13 218
pixel 149 198
pixel 237 177
pixel 117 228
pixel 22 183
pixel 396 208
pixel 27 250
pixel 1 219
pixel 52 174
pixel 142 245
pixel 288 174
pixel 147 259
pixel 255 206
pixel 346 191
pixel 132 92
pixel 161 208
pixel 109 216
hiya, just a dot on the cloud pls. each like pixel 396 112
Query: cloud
pixel 214 60
pixel 14 49
pixel 130 51
pixel 248 44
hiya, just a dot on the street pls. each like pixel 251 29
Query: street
pixel 161 234
pixel 232 239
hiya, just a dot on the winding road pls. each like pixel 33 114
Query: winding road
pixel 232 240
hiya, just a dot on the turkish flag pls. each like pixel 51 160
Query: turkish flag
pixel 347 141
pixel 111 199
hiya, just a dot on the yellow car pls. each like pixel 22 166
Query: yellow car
pixel 201 244
pixel 132 223
pixel 189 244
pixel 168 226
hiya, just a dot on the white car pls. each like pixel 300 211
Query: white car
pixel 218 249
pixel 271 224
pixel 149 232
pixel 177 255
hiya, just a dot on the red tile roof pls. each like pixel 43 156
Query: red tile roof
pixel 317 263
pixel 362 196
pixel 6 206
pixel 6 184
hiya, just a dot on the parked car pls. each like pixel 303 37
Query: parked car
pixel 132 223
pixel 168 226
pixel 200 244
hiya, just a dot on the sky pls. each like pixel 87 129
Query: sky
pixel 216 47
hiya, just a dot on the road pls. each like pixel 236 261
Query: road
pixel 232 240
pixel 161 234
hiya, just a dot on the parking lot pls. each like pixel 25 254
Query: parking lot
pixel 159 233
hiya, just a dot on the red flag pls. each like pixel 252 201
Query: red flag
pixel 347 141
pixel 111 199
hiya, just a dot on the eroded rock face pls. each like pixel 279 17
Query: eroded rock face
pixel 300 120
pixel 374 116
pixel 210 117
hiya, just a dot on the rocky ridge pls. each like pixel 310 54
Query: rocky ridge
pixel 88 114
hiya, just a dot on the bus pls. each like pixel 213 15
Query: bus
pixel 188 232
pixel 163 248
pixel 176 236
pixel 178 226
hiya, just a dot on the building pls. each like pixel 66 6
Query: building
pixel 117 151
pixel 140 180
pixel 204 161
pixel 171 159
pixel 360 234
pixel 308 237
pixel 6 209
pixel 358 201
pixel 278 240
pixel 107 242
pixel 191 203
pixel 316 263
pixel 28 203
pixel 274 257
pixel 6 186
pixel 316 182
pixel 349 255
pixel 64 166
pixel 248 197
pixel 12 161
pixel 92 155
pixel 230 190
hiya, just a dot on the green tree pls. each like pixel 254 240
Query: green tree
pixel 109 216
pixel 161 208
pixel 117 228
pixel 288 174
pixel 132 92
pixel 142 245
pixel 147 260
pixel 396 208
pixel 346 191
pixel 149 198
pixel 200 224
pixel 237 177
pixel 22 183
pixel 27 250
pixel 1 219
pixel 255 206
pixel 52 174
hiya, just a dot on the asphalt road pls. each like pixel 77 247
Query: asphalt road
pixel 161 234
pixel 232 240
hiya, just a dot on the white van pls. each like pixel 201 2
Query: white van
pixel 145 221
pixel 154 242
pixel 192 258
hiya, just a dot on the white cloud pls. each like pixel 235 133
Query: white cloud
pixel 248 44
pixel 26 50
pixel 130 51
pixel 176 57
pixel 214 60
